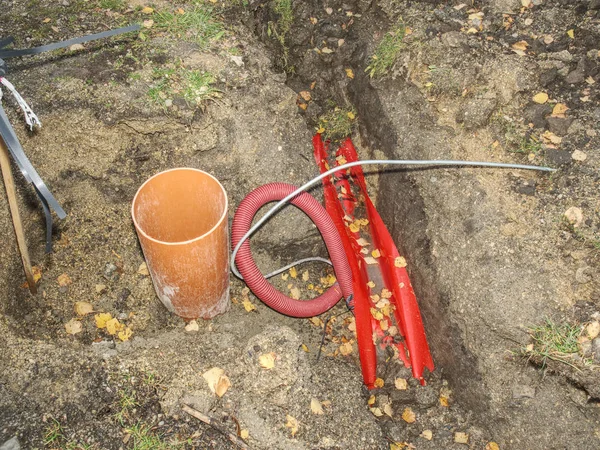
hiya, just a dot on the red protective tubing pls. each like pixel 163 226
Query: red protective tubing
pixel 255 280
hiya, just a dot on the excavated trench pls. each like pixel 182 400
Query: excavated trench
pixel 399 200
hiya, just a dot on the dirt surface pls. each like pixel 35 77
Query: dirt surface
pixel 490 252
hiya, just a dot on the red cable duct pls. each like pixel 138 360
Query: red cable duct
pixel 255 280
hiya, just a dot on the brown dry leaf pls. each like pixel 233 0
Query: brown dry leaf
pixel 46 20
pixel 217 381
pixel 559 110
pixel 346 348
pixel 371 284
pixel 64 280
pixel 37 273
pixel 305 275
pixel 377 315
pixel 267 360
pixel 143 269
pixel 147 10
pixel 393 331
pixel 113 326
pixel 371 400
pixel 386 293
pixel 401 384
pixel 370 260
pixel 492 446
pixel 354 227
pixel 192 326
pixel 593 330
pixel 444 401
pixel 83 308
pixel 305 348
pixel 102 319
pixel 149 23
pixel 349 73
pixel 461 438
pixel 125 334
pixel 376 253
pixel 379 383
pixel 73 326
pixel 293 272
pixel 571 34
pixel 314 20
pixel 305 95
pixel 248 305
pixel 316 321
pixel 362 242
pixel 549 136
pixel 292 424
pixel 521 46
pixel 400 262
pixel 295 293
pixel 540 98
pixel 409 415
pixel 427 434
pixel 316 407
pixel 244 434
pixel 384 325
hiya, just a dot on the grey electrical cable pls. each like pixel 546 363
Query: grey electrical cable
pixel 404 162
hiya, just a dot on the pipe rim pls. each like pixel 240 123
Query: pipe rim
pixel 139 229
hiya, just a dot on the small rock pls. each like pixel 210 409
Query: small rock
pixel 563 56
pixel 426 396
pixel 596 349
pixel 168 103
pixel 100 288
pixel 592 330
pixel 536 114
pixel 548 77
pixel 11 444
pixel 559 125
pixel 475 113
pixel 523 391
pixel 574 215
pixel 526 187
pixel 238 60
pixel 578 155
pixel 111 272
pixel 583 275
pixel 461 438
pixel 557 157
pixel 575 77
pixel 454 39
pixel 76 47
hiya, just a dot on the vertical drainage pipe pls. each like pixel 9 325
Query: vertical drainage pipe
pixel 180 216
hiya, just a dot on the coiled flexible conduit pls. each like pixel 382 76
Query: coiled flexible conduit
pixel 242 229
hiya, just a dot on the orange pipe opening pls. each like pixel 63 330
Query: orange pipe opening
pixel 180 216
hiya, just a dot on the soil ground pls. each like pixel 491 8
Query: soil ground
pixel 491 254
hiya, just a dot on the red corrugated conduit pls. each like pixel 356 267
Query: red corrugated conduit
pixel 255 279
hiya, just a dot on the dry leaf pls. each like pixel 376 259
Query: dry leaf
pixel 125 334
pixel 326 50
pixel 305 275
pixel 386 293
pixel 248 305
pixel 73 326
pixel 371 400
pixel 393 331
pixel 305 348
pixel 376 253
pixel 444 401
pixel 295 293
pixel 292 424
pixel 46 20
pixel 217 381
pixel 147 10
pixel 305 95
pixel 192 326
pixel 387 410
pixel 427 434
pixel 346 349
pixel 559 110
pixel 571 34
pixel 401 384
pixel 371 284
pixel 293 272
pixel 370 260
pixel 362 242
pixel 349 73
pixel 102 319
pixel 267 360
pixel 550 137
pixel 351 115
pixel 113 326
pixel 492 446
pixel 316 407
pixel 521 46
pixel 376 412
pixel 83 308
pixel 143 269
pixel 461 438
pixel 400 262
pixel 384 325
pixel 64 280
pixel 244 434
pixel 379 383
pixel 149 23
pixel 316 321
pixel 409 415
pixel 540 98
pixel 354 227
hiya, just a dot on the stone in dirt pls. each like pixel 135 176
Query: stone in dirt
pixel 557 157
pixel 523 391
pixel 536 114
pixel 578 155
pixel 559 125
pixel 475 113
pixel 11 444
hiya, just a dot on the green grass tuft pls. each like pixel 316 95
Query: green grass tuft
pixel 387 51
pixel 192 85
pixel 554 341
pixel 337 123
pixel 198 24
pixel 144 439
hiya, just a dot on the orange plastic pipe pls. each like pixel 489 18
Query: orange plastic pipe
pixel 180 216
